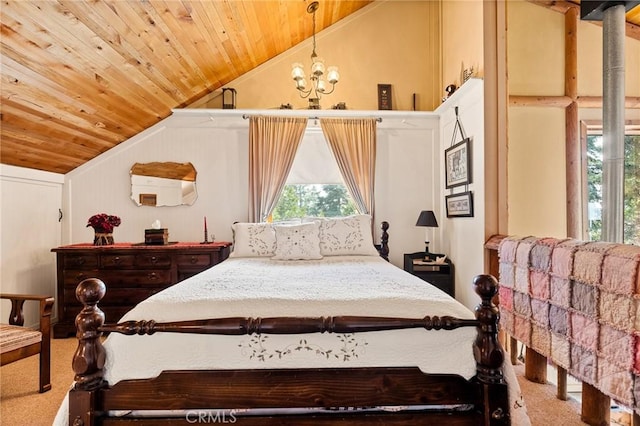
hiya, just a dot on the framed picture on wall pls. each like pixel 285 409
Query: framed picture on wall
pixel 457 163
pixel 459 205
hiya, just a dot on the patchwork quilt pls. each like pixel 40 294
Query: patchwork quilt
pixel 577 303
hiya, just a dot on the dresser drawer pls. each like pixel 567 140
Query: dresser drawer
pixel 196 259
pixel 121 278
pixel 117 260
pixel 80 261
pixel 153 260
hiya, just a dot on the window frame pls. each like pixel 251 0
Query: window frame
pixel 588 128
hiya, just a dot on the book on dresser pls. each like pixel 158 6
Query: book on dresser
pixel 131 272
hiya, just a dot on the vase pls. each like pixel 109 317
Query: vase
pixel 102 238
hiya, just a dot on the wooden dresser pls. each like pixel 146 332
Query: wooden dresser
pixel 131 272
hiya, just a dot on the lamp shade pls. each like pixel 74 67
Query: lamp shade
pixel 427 218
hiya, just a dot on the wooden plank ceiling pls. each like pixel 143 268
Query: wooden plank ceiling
pixel 79 77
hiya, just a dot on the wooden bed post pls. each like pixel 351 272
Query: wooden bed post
pixel 384 241
pixel 489 355
pixel 88 360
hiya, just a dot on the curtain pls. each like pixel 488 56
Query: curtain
pixel 273 142
pixel 353 143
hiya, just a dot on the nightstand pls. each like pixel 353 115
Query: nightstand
pixel 440 275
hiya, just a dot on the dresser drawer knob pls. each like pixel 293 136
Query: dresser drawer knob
pixel 116 260
pixel 81 276
pixel 80 261
pixel 194 259
pixel 153 276
pixel 154 259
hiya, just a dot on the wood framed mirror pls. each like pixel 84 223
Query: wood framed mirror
pixel 163 184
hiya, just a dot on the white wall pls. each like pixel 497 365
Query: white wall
pixel 463 237
pixel 216 142
pixel 29 229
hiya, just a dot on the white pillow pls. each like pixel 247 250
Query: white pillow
pixel 298 242
pixel 253 240
pixel 345 236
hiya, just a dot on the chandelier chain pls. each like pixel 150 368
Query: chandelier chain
pixel 314 55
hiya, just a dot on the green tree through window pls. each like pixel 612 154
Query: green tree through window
pixel 313 200
pixel 631 210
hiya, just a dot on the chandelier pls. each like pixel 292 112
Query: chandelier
pixel 318 85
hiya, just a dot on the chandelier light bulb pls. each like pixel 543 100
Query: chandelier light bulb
pixel 301 84
pixel 321 86
pixel 317 67
pixel 297 71
pixel 333 75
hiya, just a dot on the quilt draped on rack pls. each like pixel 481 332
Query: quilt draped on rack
pixel 578 304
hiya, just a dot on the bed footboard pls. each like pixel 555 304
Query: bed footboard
pixel 388 395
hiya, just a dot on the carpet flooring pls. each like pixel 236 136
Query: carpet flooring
pixel 21 404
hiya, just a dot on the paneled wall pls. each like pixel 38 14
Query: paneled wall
pixel 29 228
pixel 216 142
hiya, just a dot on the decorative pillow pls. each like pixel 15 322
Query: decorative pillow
pixel 253 240
pixel 349 235
pixel 298 242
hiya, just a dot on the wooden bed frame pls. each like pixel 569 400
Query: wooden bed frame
pixel 291 396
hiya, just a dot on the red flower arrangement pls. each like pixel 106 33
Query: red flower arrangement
pixel 103 223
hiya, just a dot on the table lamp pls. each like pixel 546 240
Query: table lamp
pixel 428 219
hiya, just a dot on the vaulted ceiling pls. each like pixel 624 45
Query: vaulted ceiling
pixel 79 77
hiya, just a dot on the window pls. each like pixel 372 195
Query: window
pixel 631 227
pixel 314 185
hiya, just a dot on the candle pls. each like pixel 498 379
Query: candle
pixel 205 229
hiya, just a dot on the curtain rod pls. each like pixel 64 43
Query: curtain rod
pixel 378 119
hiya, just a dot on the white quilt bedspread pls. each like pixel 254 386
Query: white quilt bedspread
pixel 261 287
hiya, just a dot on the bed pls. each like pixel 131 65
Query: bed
pixel 303 324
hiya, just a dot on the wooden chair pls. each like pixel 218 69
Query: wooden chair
pixel 18 342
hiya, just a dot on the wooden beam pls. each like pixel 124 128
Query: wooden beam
pixel 571 53
pixel 596 406
pixel 631 102
pixel 561 391
pixel 572 141
pixel 513 350
pixel 540 101
pixel 573 172
pixel 535 366
pixel 560 6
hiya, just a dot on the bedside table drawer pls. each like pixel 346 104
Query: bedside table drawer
pixel 439 275
pixel 443 282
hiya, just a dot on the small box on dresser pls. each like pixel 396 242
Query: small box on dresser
pixel 424 267
pixel 156 236
pixel 131 272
